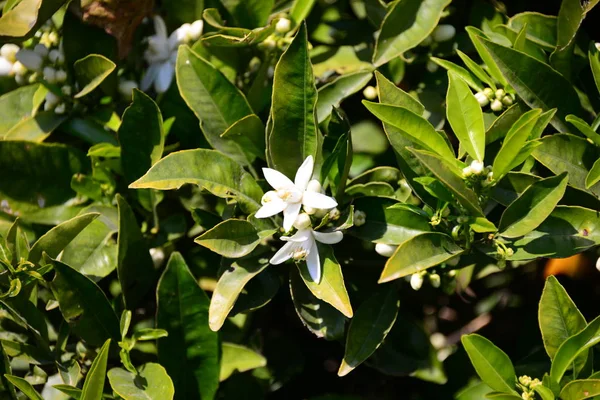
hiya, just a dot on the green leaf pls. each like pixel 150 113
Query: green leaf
pixel 593 177
pixel 318 316
pixel 233 238
pixel 570 17
pixel 541 29
pixel 447 174
pixel 26 16
pixel 249 133
pixel 476 70
pixel 369 327
pixel 249 13
pixel 558 316
pixel 331 289
pixel 492 365
pixel 406 24
pixel 533 206
pixel 504 122
pixel 594 56
pixel 419 253
pixel 141 136
pixel 37 128
pixel 514 142
pixel 69 390
pixel 544 392
pixel 238 358
pixel 150 383
pixel 207 168
pixel 584 128
pixel 28 353
pixel 300 10
pixel 190 353
pixel 332 94
pixel 149 334
pixel 476 37
pixel 573 347
pixel 581 389
pixel 24 386
pixel 293 119
pixel 6 388
pixel 385 224
pixel 57 238
pixel 465 116
pixel 216 101
pixel 91 71
pixel 94 380
pixel 229 287
pixel 568 153
pixel 135 267
pixel 19 105
pixel 412 126
pixel 389 93
pixel 529 77
pixel 470 78
pixel 84 306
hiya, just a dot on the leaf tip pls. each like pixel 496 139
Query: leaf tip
pixel 345 369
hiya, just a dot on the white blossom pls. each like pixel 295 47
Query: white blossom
pixel 6 67
pixel 283 25
pixel 9 52
pixel 476 167
pixel 385 250
pixel 303 246
pixel 289 197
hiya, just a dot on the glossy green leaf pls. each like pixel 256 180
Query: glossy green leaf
pixel 141 136
pixel 233 238
pixel 36 128
pixel 541 29
pixel 94 380
pixel 570 17
pixel 572 347
pixel 216 101
pixel 447 174
pixel 26 352
pixel 331 289
pixel 466 75
pixel 476 37
pixel 300 10
pixel 558 316
pixel 376 189
pixel 91 71
pixel 135 267
pixel 568 153
pixel 593 177
pixel 406 24
pixel 229 287
pixel 238 358
pixel 465 116
pixel 492 365
pixel 6 388
pixel 293 119
pixel 57 238
pixel 332 94
pixel 389 93
pixel 419 253
pixel 529 77
pixel 594 57
pixel 69 390
pixel 207 168
pixel 581 389
pixel 24 386
pixel 190 353
pixel 155 383
pixel 19 105
pixel 84 306
pixel 317 316
pixel 533 206
pixel 476 70
pixel 544 392
pixel 514 142
pixel 412 126
pixel 584 128
pixel 23 17
pixel 369 327
pixel 500 127
pixel 249 133
pixel 249 13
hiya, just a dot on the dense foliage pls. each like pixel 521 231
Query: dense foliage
pixel 248 199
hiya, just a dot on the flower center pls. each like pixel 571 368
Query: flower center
pixel 290 195
pixel 299 254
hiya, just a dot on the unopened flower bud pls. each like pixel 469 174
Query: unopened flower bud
pixel 488 92
pixel 30 59
pixel 302 221
pixel 500 93
pixel 525 380
pixel 6 67
pixel 598 264
pixel 61 75
pixel 126 88
pixel 431 66
pixel 370 93
pixel 507 100
pixel 416 281
pixel 334 213
pixel 158 256
pixel 314 186
pixel 360 218
pixel 283 25
pixel 597 44
pixel 51 101
pixel 49 74
pixel 435 280
pixel 41 50
pixel 476 167
pixel 385 250
pixel 482 99
pixel 66 90
pixel 60 109
pixel 54 56
pixel 9 51
pixel 467 172
pixel 443 33
pixel 19 69
pixel 496 105
pixel 196 29
pixel 269 43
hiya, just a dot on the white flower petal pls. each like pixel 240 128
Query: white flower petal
pixel 301 236
pixel 276 179
pixel 329 237
pixel 304 173
pixel 160 28
pixel 149 77
pixel 318 200
pixel 164 78
pixel 313 262
pixel 284 253
pixel 290 214
pixel 271 208
pixel 6 67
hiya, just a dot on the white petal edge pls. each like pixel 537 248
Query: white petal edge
pixel 149 77
pixel 160 29
pixel 271 208
pixel 290 214
pixel 318 200
pixel 313 263
pixel 276 179
pixel 164 77
pixel 329 237
pixel 304 174
pixel 284 254
pixel 300 236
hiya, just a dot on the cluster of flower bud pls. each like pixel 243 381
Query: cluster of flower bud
pixel 497 100
pixel 527 385
pixel 279 38
pixel 477 170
